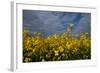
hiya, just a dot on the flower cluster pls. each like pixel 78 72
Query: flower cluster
pixel 57 47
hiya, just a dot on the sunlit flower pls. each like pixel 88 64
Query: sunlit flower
pixel 27 59
pixel 56 53
pixel 60 48
pixel 43 60
pixel 56 47
pixel 71 25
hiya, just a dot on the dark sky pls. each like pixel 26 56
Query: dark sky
pixel 50 22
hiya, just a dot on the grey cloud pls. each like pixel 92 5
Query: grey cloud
pixel 50 22
pixel 84 24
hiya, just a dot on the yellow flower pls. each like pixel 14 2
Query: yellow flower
pixel 41 57
pixel 27 59
pixel 47 56
pixel 69 45
pixel 56 53
pixel 71 25
pixel 63 54
pixel 55 36
pixel 43 60
pixel 33 50
pixel 39 33
pixel 36 41
pixel 86 33
pixel 56 47
pixel 61 49
pixel 68 29
pixel 35 32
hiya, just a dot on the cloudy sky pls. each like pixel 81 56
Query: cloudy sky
pixel 50 22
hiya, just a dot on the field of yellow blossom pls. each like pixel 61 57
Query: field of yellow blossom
pixel 56 47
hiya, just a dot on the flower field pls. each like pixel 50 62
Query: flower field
pixel 56 47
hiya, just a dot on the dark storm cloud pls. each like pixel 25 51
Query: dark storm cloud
pixel 84 25
pixel 50 22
